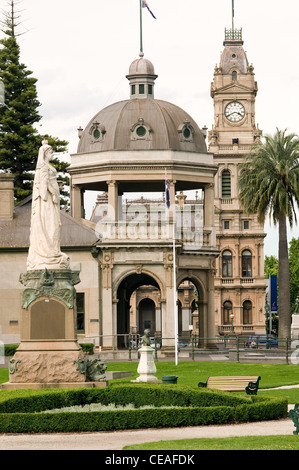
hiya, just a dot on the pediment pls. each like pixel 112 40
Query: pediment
pixel 234 88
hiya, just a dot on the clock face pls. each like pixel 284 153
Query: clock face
pixel 234 111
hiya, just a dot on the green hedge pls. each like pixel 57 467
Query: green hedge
pixel 10 349
pixel 196 407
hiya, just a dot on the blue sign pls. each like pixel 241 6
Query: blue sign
pixel 273 292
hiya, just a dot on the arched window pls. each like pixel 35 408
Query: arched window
pixel 246 264
pixel 247 312
pixel 226 184
pixel 227 312
pixel 234 75
pixel 227 264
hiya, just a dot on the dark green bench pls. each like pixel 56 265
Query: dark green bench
pixel 249 384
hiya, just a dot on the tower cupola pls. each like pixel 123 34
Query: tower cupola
pixel 142 78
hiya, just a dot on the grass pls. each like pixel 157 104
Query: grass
pixel 190 373
pixel 228 443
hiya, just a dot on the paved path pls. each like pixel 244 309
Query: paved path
pixel 118 439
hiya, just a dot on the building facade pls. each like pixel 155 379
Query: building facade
pixel 239 282
pixel 170 265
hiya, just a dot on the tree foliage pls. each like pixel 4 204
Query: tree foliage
pixel 269 185
pixel 19 139
pixel 294 271
pixel 270 266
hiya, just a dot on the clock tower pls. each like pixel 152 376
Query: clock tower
pixel 239 283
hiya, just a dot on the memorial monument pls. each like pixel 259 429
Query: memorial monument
pixel 49 354
pixel 146 367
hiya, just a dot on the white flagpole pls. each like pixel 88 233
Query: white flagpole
pixel 175 295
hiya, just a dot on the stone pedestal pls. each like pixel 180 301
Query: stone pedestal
pixel 146 367
pixel 49 353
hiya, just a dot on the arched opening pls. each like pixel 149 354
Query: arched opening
pixel 227 313
pixel 247 312
pixel 147 316
pixel 128 320
pixel 190 309
pixel 246 263
pixel 226 184
pixel 227 264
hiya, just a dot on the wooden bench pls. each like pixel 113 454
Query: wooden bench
pixel 294 415
pixel 249 384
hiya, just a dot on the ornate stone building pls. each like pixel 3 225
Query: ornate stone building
pixel 134 146
pixel 239 282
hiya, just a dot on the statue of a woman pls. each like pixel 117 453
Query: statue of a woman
pixel 44 250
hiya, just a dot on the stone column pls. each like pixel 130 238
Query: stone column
pixel 77 209
pixel 209 213
pixel 6 196
pixel 112 200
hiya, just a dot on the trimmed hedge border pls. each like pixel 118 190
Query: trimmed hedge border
pixel 22 414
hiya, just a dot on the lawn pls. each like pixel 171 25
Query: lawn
pixel 229 443
pixel 192 372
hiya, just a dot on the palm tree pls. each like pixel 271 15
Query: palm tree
pixel 269 184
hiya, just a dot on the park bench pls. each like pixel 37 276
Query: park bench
pixel 294 415
pixel 249 384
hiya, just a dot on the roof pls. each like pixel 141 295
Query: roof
pixel 15 233
pixel 161 124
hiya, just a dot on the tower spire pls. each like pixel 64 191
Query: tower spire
pixel 233 34
pixel 233 15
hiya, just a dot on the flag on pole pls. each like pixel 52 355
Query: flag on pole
pixel 145 5
pixel 167 191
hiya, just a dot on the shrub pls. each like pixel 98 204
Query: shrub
pixel 195 407
pixel 10 349
pixel 88 348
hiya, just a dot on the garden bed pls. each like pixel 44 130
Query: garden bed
pixel 193 407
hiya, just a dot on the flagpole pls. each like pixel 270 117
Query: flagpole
pixel 175 295
pixel 233 14
pixel 141 39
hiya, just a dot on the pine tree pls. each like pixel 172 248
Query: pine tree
pixel 19 139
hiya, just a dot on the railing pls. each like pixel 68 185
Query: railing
pixel 191 235
pixel 194 345
pixel 233 34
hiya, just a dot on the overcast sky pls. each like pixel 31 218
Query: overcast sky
pixel 80 52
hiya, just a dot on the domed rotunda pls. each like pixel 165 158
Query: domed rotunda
pixel 142 122
pixel 135 146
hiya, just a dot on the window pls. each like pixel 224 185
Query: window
pixel 226 224
pixel 227 264
pixel 96 134
pixel 234 74
pixel 133 89
pixel 246 224
pixel 141 131
pixel 141 89
pixel 235 141
pixel 247 312
pixel 150 89
pixel 80 300
pixel 246 264
pixel 227 312
pixel 226 184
